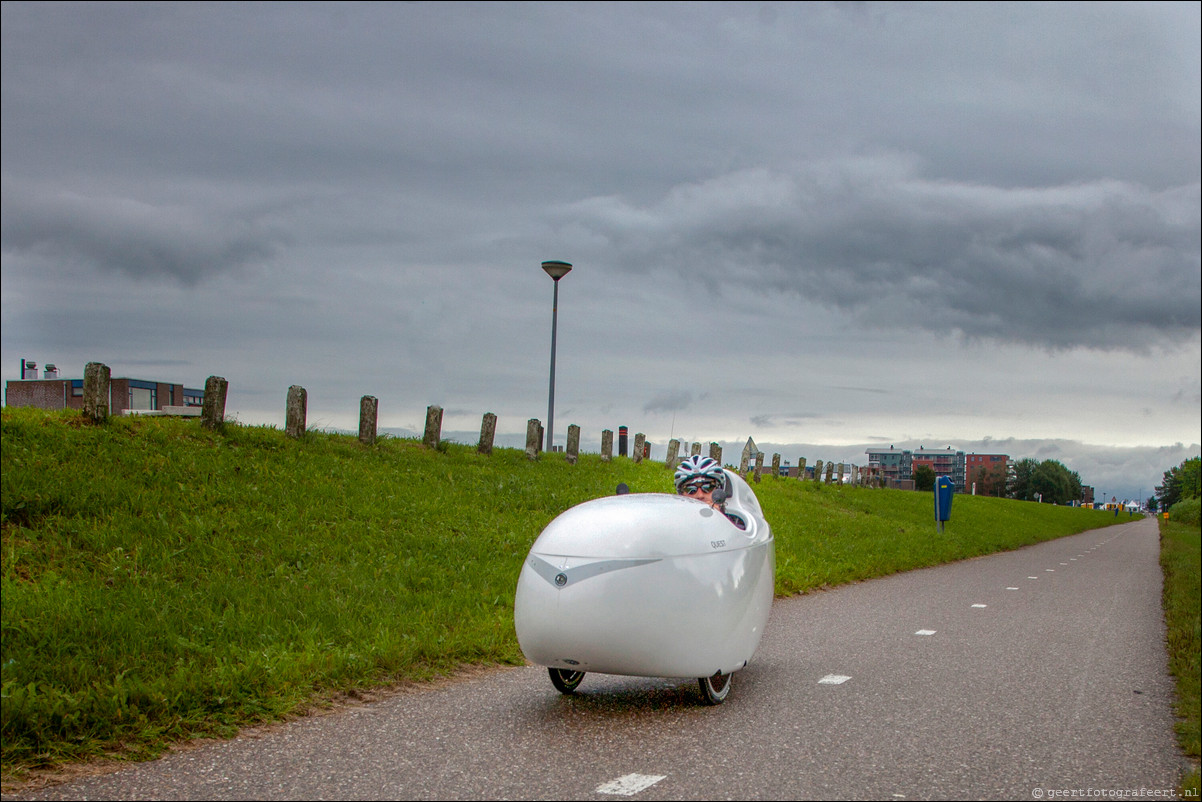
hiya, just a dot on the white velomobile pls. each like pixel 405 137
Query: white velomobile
pixel 649 584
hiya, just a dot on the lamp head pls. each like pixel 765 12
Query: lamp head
pixel 556 269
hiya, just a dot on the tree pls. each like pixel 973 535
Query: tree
pixel 1181 483
pixel 1055 483
pixel 1048 481
pixel 1020 483
pixel 924 478
pixel 990 481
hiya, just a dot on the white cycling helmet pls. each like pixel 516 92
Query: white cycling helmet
pixel 699 470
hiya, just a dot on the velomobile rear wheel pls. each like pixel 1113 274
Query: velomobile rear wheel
pixel 565 681
pixel 715 689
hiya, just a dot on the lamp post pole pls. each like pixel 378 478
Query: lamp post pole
pixel 556 270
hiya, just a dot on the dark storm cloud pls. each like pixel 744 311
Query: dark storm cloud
pixel 1107 264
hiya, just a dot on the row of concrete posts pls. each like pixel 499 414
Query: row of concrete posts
pixel 97 377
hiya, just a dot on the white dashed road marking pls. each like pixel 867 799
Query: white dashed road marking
pixel 833 679
pixel 630 785
pixel 925 632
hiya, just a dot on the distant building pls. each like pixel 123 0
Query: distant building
pixel 896 466
pixel 126 395
pixel 893 465
pixel 988 469
pixel 947 463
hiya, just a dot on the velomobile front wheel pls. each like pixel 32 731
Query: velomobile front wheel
pixel 565 681
pixel 715 689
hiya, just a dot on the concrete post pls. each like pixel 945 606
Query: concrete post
pixel 817 471
pixel 369 407
pixel 759 465
pixel 433 433
pixel 801 469
pixel 640 440
pixel 296 411
pixel 96 378
pixel 673 453
pixel 776 464
pixel 840 481
pixel 607 445
pixel 534 436
pixel 715 452
pixel 573 445
pixel 488 432
pixel 830 469
pixel 212 410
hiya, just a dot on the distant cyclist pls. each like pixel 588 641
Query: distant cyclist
pixel 698 477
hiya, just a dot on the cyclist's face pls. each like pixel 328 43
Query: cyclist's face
pixel 706 495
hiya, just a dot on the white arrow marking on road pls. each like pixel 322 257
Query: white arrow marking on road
pixel 630 785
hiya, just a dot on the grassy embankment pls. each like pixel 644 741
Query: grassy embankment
pixel 162 582
pixel 1181 559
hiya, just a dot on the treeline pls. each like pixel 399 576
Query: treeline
pixel 1047 481
pixel 1028 480
pixel 1180 484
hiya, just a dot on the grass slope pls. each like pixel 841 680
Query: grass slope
pixel 1181 559
pixel 162 582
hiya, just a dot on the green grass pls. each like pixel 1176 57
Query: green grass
pixel 162 582
pixel 1181 559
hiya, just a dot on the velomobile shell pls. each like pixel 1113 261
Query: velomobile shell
pixel 648 585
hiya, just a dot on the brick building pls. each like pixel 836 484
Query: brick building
pixel 947 463
pixel 897 466
pixel 987 471
pixel 125 394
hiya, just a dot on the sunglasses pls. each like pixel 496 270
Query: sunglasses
pixel 701 488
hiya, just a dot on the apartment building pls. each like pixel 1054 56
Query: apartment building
pixel 898 465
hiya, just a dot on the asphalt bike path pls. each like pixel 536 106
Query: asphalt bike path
pixel 1034 674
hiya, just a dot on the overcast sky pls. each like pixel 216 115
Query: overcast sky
pixel 824 226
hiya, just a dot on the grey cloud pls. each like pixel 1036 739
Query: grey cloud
pixel 669 401
pixel 874 390
pixel 1106 264
pixel 767 420
pixel 136 237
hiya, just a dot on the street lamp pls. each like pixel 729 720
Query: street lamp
pixel 556 270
